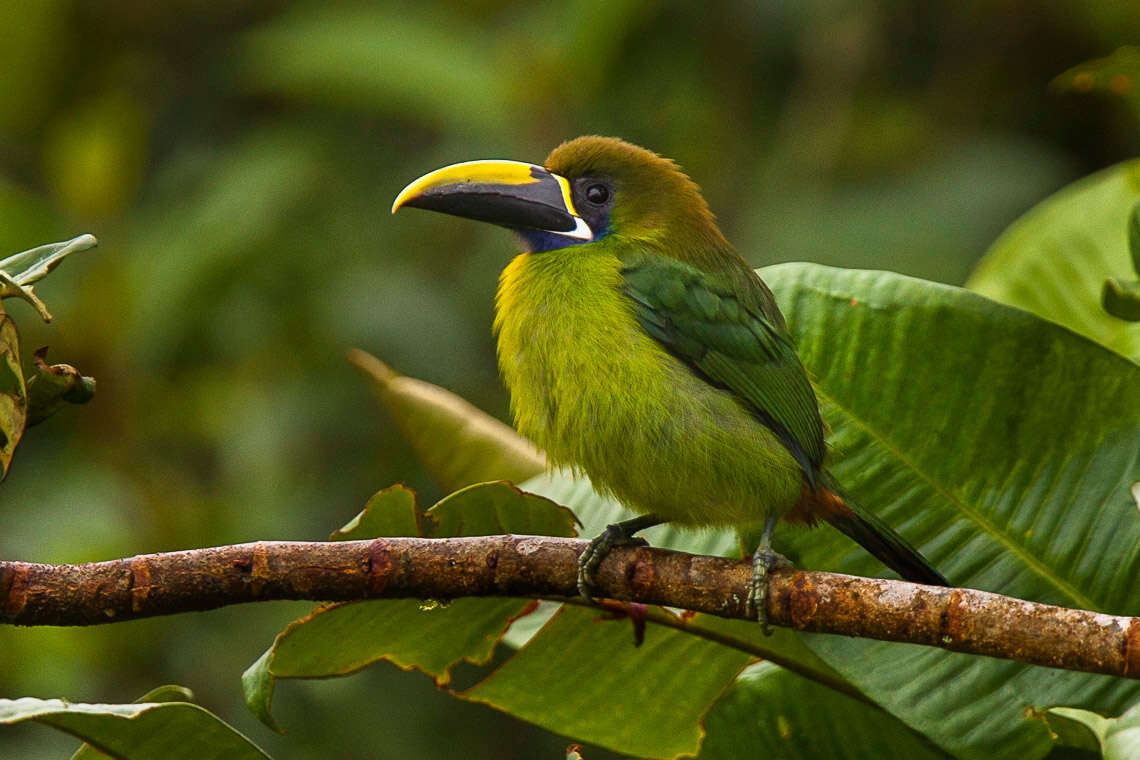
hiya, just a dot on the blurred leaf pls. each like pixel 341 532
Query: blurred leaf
pixel 95 153
pixel 54 385
pixel 430 636
pixel 169 693
pixel 458 442
pixel 20 270
pixel 390 59
pixel 390 512
pixel 1054 260
pixel 1118 738
pixel 1117 74
pixel 928 219
pixel 582 677
pixel 26 216
pixel 239 212
pixel 13 395
pixel 140 731
pixel 770 712
pixel 592 35
pixel 39 48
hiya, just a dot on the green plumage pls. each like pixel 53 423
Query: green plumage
pixel 594 389
pixel 698 318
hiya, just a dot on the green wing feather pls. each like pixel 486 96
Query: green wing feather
pixel 727 329
pixel 719 327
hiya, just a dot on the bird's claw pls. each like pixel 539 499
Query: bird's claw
pixel 588 563
pixel 763 562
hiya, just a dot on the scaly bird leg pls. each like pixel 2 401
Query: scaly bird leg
pixel 618 534
pixel 764 560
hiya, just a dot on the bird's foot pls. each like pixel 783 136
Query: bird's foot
pixel 618 534
pixel 764 561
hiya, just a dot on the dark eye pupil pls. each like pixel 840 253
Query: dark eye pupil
pixel 597 194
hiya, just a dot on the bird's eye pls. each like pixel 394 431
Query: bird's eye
pixel 597 194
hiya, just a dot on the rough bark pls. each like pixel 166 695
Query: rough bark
pixel 962 620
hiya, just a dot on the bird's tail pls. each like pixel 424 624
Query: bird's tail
pixel 874 535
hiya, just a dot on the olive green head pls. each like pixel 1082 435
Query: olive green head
pixel 633 193
pixel 588 190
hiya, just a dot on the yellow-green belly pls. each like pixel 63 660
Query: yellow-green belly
pixel 597 393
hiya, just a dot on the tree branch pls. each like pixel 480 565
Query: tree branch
pixel 961 620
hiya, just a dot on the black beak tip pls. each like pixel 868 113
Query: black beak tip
pixel 486 204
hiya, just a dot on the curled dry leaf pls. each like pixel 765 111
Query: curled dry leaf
pixel 52 386
pixel 458 442
pixel 13 394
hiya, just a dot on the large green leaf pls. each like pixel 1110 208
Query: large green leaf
pixel 582 677
pixel 1055 260
pixel 174 730
pixel 1001 445
pixel 770 712
pixel 430 636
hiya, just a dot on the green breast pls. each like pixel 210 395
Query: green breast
pixel 594 390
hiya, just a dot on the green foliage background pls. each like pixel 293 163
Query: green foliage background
pixel 237 162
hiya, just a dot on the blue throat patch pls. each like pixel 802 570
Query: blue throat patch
pixel 541 241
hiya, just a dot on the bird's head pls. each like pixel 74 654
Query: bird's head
pixel 588 190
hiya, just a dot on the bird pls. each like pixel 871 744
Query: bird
pixel 641 349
